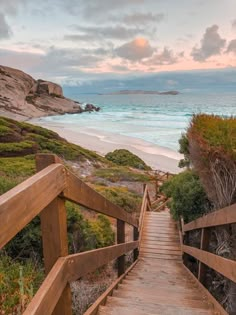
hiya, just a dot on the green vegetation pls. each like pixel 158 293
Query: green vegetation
pixel 115 174
pixel 121 196
pixel 29 139
pixel 212 152
pixel 126 158
pixel 21 259
pixel 188 196
pixel 18 284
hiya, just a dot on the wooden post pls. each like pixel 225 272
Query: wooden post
pixel 54 235
pixel 205 239
pixel 121 239
pixel 135 238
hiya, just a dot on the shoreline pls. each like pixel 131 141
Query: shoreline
pixel 159 158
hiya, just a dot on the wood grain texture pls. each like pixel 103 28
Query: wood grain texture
pixel 54 235
pixel 224 266
pixel 24 202
pixel 121 239
pixel 158 284
pixel 114 286
pixel 216 218
pixel 83 263
pixel 50 291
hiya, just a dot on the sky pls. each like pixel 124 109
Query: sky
pixel 77 42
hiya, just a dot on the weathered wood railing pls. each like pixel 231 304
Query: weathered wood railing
pixel 45 194
pixel 224 266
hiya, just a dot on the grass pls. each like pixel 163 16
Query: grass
pixel 217 132
pixel 115 174
pixel 30 139
pixel 121 196
pixel 126 158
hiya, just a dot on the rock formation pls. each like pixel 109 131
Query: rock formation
pixel 22 97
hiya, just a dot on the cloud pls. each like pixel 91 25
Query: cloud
pixel 232 46
pixel 5 30
pixel 135 50
pixel 97 7
pixel 143 18
pixel 234 23
pixel 211 45
pixel 107 32
pixel 166 57
pixel 11 6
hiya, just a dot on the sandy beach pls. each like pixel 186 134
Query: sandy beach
pixel 157 157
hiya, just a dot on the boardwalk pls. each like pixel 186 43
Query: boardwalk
pixel 158 284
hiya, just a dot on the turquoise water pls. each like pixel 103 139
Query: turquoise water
pixel 154 118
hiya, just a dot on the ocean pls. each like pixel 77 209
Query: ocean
pixel 157 119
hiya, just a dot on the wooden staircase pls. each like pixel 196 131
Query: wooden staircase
pixel 158 284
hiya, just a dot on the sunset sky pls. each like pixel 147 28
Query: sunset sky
pixel 73 41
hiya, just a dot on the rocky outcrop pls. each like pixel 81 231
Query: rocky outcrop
pixel 22 97
pixel 91 108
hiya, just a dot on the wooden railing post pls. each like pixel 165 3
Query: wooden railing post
pixel 135 238
pixel 121 239
pixel 54 235
pixel 205 239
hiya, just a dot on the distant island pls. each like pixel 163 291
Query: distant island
pixel 126 92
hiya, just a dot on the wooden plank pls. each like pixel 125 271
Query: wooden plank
pixel 160 251
pixel 224 266
pixel 24 202
pixel 220 217
pixel 135 238
pixel 121 239
pixel 50 291
pixel 80 193
pixel 83 263
pixel 205 239
pixel 102 299
pixel 216 304
pixel 54 235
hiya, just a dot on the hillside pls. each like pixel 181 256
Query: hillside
pixel 22 97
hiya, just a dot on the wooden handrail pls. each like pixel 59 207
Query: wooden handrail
pixel 44 194
pixel 224 266
pixel 82 194
pixel 220 217
pixel 23 203
pixel 68 269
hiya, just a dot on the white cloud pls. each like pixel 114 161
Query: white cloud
pixel 211 44
pixel 135 50
pixel 5 30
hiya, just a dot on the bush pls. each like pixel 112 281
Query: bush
pixel 115 174
pixel 120 196
pixel 18 284
pixel 82 234
pixel 188 196
pixel 212 151
pixel 126 158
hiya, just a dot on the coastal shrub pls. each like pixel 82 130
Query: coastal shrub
pixel 30 139
pixel 6 184
pixel 83 234
pixel 115 174
pixel 126 158
pixel 212 151
pixel 122 197
pixel 17 148
pixel 184 149
pixel 16 167
pixel 18 284
pixel 188 198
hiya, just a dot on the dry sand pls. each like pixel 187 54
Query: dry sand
pixel 157 157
